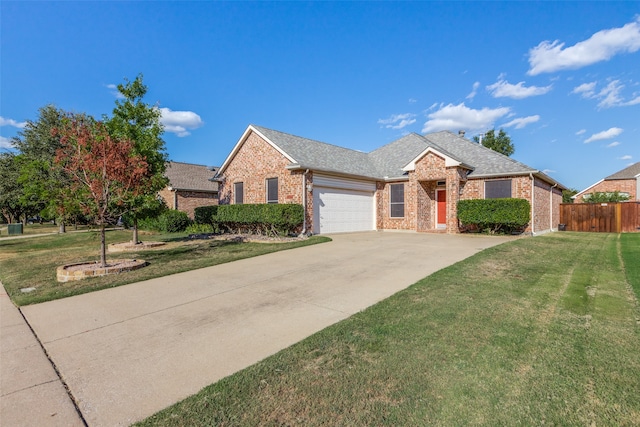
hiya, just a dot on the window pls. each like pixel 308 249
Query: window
pixel 497 189
pixel 238 191
pixel 397 200
pixel 272 190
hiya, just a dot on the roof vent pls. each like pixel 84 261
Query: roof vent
pixel 461 133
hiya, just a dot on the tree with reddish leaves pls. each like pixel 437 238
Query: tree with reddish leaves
pixel 105 172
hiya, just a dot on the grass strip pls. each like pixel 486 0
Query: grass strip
pixel 32 262
pixel 535 331
pixel 630 251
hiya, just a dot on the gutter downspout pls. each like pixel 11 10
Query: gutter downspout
pixel 533 203
pixel 551 206
pixel 304 202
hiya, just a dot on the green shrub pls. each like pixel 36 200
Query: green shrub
pixel 170 221
pixel 205 214
pixel 495 215
pixel 149 224
pixel 259 218
pixel 200 229
pixel 605 197
pixel 174 221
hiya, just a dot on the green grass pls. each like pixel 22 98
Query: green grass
pixel 32 262
pixel 44 228
pixel 630 251
pixel 536 331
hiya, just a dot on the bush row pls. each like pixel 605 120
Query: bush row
pixel 495 215
pixel 268 219
pixel 169 221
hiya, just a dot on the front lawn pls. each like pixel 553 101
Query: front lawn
pixel 32 262
pixel 538 331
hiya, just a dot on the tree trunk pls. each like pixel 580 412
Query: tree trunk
pixel 63 228
pixel 135 231
pixel 103 247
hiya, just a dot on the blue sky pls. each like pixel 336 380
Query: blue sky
pixel 562 79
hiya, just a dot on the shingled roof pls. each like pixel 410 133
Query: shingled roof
pixel 191 177
pixel 630 172
pixel 390 161
pixel 316 155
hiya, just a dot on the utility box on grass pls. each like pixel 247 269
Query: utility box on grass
pixel 14 229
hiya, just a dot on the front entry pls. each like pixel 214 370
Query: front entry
pixel 441 199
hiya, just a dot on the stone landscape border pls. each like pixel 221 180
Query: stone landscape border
pixel 83 270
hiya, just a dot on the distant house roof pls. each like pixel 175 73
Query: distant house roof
pixel 191 177
pixel 630 172
pixel 392 160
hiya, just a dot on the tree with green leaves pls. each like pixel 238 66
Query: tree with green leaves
pixel 605 197
pixel 11 191
pixel 500 143
pixel 139 122
pixel 42 182
pixel 567 195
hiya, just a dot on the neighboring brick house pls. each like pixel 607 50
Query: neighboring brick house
pixel 626 181
pixel 190 186
pixel 413 183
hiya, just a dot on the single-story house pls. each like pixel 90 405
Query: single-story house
pixel 626 181
pixel 413 183
pixel 190 186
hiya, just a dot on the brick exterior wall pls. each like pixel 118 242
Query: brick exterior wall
pixel 187 201
pixel 545 198
pixel 168 197
pixel 421 203
pixel 622 185
pixel 256 161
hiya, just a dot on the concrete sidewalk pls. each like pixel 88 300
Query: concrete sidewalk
pixel 127 352
pixel 30 390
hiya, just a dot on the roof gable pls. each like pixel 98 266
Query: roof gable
pixel 264 134
pixel 483 160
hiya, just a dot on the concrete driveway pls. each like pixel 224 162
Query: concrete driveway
pixel 127 352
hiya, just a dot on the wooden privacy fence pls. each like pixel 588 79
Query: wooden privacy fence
pixel 600 217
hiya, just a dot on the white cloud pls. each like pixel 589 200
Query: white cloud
pixel 179 121
pixel 548 56
pixel 474 91
pixel 613 144
pixel 548 171
pixel 609 96
pixel 627 157
pixel 522 122
pixel 455 117
pixel 581 131
pixel 412 100
pixel 605 134
pixel 586 90
pixel 11 122
pixel 398 121
pixel 504 89
pixel 114 91
pixel 5 142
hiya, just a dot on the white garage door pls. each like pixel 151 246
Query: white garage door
pixel 337 210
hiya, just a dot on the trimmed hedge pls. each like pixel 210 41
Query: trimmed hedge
pixel 170 221
pixel 205 214
pixel 259 218
pixel 495 215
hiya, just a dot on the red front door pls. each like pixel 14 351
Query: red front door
pixel 441 198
